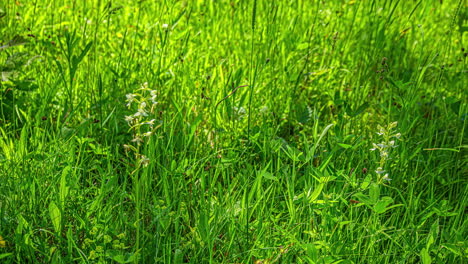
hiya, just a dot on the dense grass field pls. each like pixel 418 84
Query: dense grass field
pixel 233 131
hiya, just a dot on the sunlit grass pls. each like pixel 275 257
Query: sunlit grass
pixel 233 132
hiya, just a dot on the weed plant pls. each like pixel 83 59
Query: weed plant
pixel 233 131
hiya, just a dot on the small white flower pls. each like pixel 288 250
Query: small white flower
pixel 130 99
pixel 239 112
pixel 385 147
pixel 381 130
pixel 165 26
pixel 393 124
pixel 380 170
pixel 141 112
pixel 386 178
pixel 129 119
pixel 147 134
pixel 137 140
pixel 151 122
pixel 154 95
pixel 142 105
pixel 127 147
pixel 392 144
pixel 264 109
pixel 144 161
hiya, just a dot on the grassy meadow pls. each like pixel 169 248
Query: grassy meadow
pixel 241 131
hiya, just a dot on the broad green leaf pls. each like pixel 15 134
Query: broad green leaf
pixel 374 192
pixel 366 182
pixel 22 225
pixel 55 216
pixel 430 241
pixel 381 206
pixel 425 257
pixel 315 194
pixel 311 252
pixel 269 176
pixel 119 259
pixel 362 198
pixel 64 185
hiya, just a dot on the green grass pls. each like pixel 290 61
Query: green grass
pixel 252 142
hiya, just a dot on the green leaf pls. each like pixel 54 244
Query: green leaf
pixel 362 198
pixel 381 206
pixel 294 154
pixel 359 110
pixel 178 256
pixel 269 176
pixel 311 252
pixel 4 255
pixel 175 21
pixel 325 163
pixel 302 46
pixel 16 41
pixel 374 192
pixel 55 216
pixel 312 150
pixel 119 259
pixel 452 248
pixel 25 85
pixel 425 257
pixel 346 146
pixel 315 194
pixel 15 61
pixel 366 182
pixel 67 132
pixel 303 114
pixel 77 60
pixel 64 189
pixel 22 225
pixel 430 241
